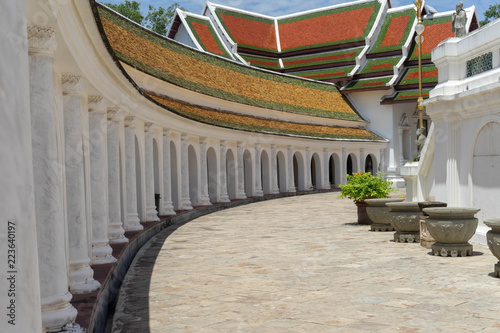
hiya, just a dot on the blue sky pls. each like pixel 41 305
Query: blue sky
pixel 283 7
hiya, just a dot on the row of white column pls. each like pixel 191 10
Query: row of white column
pixel 90 166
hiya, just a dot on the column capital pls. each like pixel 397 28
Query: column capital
pixel 273 146
pixel 41 40
pixel 184 137
pixel 308 149
pixel 96 103
pixel 72 84
pixel 203 141
pixel 114 113
pixel 223 143
pixel 130 121
pixel 149 127
pixel 167 132
pixel 289 147
pixel 257 146
pixel 361 150
pixel 325 150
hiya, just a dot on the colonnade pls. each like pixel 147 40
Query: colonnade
pixel 100 169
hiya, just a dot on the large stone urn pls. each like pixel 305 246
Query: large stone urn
pixel 426 239
pixel 451 227
pixel 363 217
pixel 379 213
pixel 405 218
pixel 493 237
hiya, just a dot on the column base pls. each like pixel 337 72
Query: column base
pixel 133 223
pixel 224 198
pixel 241 195
pixel 116 233
pixel 291 190
pixel 381 227
pixel 259 192
pixel 205 201
pixel 168 208
pixel 152 215
pixel 275 190
pixel 102 253
pixel 186 204
pixel 451 250
pixel 57 313
pixel 496 270
pixel 81 277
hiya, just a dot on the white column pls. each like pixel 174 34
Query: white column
pixel 274 171
pixel 343 167
pixel 241 175
pixel 116 233
pixel 17 203
pixel 204 198
pixel 258 171
pixel 382 161
pixel 132 222
pixel 151 212
pixel 101 251
pixel 362 159
pixel 326 170
pixel 291 181
pixel 308 163
pixel 452 179
pixel 185 199
pixel 80 274
pixel 400 141
pixel 223 181
pixel 57 312
pixel 168 207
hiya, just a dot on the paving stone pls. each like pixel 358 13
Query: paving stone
pixel 301 264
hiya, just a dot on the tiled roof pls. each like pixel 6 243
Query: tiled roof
pixel 436 30
pixel 380 65
pixel 206 36
pixel 217 77
pixel 346 24
pixel 378 83
pixel 410 76
pixel 404 96
pixel 347 56
pixel 256 124
pixel 325 74
pixel 263 62
pixel 249 31
pixel 394 31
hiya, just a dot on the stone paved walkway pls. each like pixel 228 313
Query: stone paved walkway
pixel 300 264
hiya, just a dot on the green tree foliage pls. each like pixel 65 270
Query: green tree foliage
pixel 492 13
pixel 128 9
pixel 159 19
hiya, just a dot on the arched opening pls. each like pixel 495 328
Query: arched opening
pixel 174 185
pixel 264 172
pixel 141 209
pixel 352 165
pixel 230 174
pixel 156 167
pixel 193 176
pixel 212 178
pixel 299 175
pixel 485 171
pixel 370 164
pixel 334 170
pixel 248 174
pixel 316 171
pixel 281 168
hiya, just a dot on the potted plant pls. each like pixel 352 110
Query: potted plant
pixel 364 185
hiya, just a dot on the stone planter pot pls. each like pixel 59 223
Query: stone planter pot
pixel 493 237
pixel 451 227
pixel 363 217
pixel 426 239
pixel 405 218
pixel 379 213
